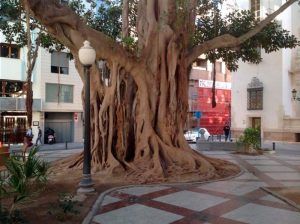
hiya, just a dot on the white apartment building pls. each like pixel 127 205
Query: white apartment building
pixel 264 95
pixel 56 91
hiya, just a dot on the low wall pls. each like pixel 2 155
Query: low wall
pixel 280 136
pixel 231 146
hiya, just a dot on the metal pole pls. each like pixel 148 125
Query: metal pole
pixel 273 146
pixel 87 139
pixel 86 182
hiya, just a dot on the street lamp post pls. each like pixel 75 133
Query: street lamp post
pixel 87 56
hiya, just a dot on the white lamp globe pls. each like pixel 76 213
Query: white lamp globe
pixel 87 54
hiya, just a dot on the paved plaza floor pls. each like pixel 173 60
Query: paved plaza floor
pixel 50 156
pixel 236 201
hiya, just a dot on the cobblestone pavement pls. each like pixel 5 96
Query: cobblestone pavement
pixel 236 201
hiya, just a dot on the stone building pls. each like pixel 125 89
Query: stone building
pixel 267 95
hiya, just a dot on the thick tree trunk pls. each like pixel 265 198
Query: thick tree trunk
pixel 137 120
pixel 137 124
pixel 145 142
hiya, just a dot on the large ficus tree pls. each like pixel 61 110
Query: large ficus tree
pixel 137 117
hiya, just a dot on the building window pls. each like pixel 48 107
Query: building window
pixel 255 8
pixel 59 63
pixel 255 95
pixel 11 88
pixel 255 99
pixel 202 63
pixel 59 93
pixel 9 51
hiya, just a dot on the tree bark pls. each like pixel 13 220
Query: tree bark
pixel 31 60
pixel 137 119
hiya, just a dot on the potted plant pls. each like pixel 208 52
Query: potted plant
pixel 250 140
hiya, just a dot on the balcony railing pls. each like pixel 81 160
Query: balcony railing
pixel 18 104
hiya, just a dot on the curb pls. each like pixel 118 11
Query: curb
pixel 286 200
pixel 97 205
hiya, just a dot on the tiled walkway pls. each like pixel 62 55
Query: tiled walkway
pixel 237 201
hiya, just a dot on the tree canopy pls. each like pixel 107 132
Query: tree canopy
pixel 210 22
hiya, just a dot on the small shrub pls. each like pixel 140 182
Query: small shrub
pixel 250 138
pixel 25 178
pixel 65 207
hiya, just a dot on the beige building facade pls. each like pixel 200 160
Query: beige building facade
pixel 267 95
pixel 57 89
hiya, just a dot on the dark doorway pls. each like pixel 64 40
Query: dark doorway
pixel 62 124
pixel 256 123
pixel 297 135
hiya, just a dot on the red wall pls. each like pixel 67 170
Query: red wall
pixel 214 119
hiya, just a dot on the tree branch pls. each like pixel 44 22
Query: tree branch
pixel 62 23
pixel 125 19
pixel 228 41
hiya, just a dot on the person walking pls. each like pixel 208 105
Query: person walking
pixel 39 137
pixel 226 130
pixel 29 133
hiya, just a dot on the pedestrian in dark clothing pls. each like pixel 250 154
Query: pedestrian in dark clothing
pixel 39 137
pixel 226 130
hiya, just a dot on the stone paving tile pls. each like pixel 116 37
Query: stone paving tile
pixel 272 198
pixel 191 200
pixel 262 162
pixel 274 168
pixel 282 157
pixel 138 191
pixel 235 201
pixel 258 214
pixel 291 183
pixel 284 176
pixel 293 162
pixel 235 188
pixel 253 157
pixel 136 214
pixel 109 199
